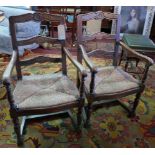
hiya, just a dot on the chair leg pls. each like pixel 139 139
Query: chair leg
pixel 135 104
pixel 126 65
pixel 88 113
pixel 78 80
pixel 137 61
pixel 121 57
pixel 17 130
pixel 79 118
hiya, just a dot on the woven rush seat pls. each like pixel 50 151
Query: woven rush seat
pixel 110 80
pixel 40 91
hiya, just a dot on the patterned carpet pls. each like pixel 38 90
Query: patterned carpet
pixel 110 126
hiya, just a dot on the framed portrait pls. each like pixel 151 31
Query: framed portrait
pixel 135 19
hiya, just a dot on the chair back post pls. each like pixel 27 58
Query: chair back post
pixel 79 37
pixel 116 46
pixel 145 74
pixel 64 62
pixel 12 28
pixel 79 28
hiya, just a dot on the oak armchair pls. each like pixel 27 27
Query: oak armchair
pixel 41 95
pixel 110 83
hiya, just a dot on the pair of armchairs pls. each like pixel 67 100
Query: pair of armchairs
pixel 43 95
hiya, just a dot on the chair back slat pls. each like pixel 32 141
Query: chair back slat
pixel 38 40
pixel 98 36
pixel 37 17
pixel 39 59
pixel 98 15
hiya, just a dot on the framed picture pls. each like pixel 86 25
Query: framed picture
pixel 135 19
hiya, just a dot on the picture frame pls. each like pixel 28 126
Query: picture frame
pixel 142 22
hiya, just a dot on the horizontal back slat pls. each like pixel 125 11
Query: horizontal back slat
pixel 37 17
pixel 38 40
pixel 99 36
pixel 98 15
pixel 39 59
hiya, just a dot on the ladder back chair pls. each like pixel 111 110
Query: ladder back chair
pixel 41 95
pixel 109 83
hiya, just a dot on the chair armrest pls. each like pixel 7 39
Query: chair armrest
pixel 87 60
pixel 75 62
pixel 136 54
pixel 7 73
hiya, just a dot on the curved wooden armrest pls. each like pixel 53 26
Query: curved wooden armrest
pixel 75 62
pixel 7 73
pixel 87 60
pixel 136 54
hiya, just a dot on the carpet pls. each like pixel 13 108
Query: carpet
pixel 111 128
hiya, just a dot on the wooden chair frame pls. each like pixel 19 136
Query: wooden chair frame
pixel 15 62
pixel 83 55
